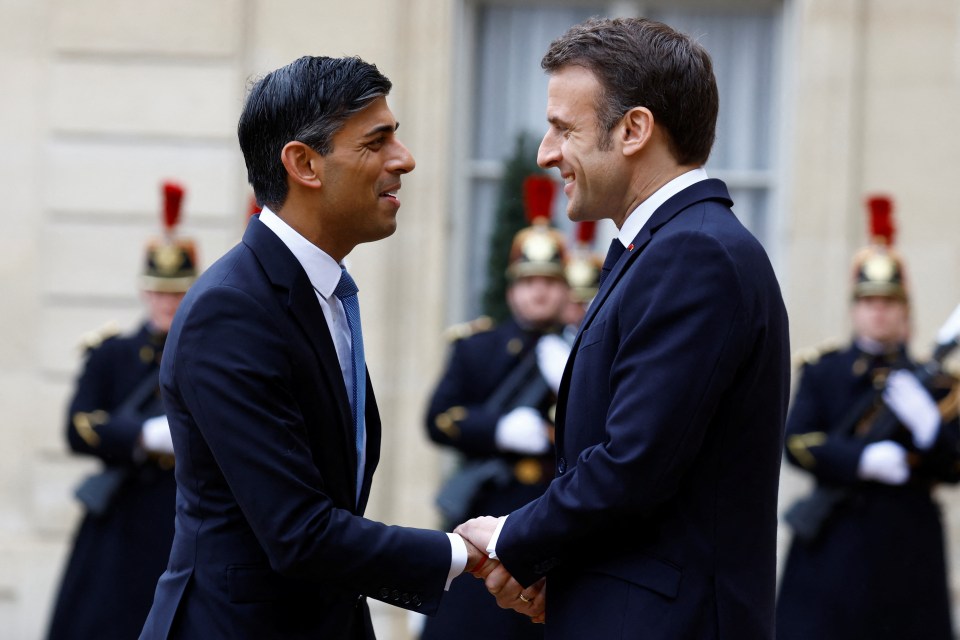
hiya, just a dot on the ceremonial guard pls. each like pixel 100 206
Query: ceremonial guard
pixel 877 431
pixel 493 405
pixel 583 275
pixel 116 414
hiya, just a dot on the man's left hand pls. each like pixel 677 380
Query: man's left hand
pixel 913 406
pixel 510 594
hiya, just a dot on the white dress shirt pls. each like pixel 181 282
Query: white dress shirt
pixel 324 274
pixel 639 216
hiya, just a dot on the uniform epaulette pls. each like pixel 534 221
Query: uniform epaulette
pixel 467 329
pixel 93 339
pixel 812 355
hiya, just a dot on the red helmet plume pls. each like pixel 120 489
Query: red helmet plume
pixel 172 200
pixel 538 191
pixel 882 229
pixel 586 231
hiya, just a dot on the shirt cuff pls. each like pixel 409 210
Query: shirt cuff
pixel 492 545
pixel 458 558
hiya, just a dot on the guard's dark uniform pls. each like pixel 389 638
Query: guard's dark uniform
pixel 117 557
pixel 877 570
pixel 461 416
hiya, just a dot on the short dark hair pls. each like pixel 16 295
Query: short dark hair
pixel 644 63
pixel 308 101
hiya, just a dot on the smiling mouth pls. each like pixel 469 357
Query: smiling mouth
pixel 391 194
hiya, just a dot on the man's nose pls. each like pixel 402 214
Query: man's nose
pixel 549 152
pixel 403 161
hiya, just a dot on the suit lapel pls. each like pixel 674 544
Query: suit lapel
pixel 286 273
pixel 710 189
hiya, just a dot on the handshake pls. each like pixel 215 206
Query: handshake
pixel 509 593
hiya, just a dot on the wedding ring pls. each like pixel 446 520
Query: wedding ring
pixel 524 598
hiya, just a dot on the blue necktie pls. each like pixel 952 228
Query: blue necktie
pixel 613 254
pixel 346 291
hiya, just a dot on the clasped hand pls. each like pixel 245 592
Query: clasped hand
pixel 510 594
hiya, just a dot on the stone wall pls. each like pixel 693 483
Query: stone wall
pixel 104 99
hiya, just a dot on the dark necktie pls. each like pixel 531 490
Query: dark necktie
pixel 613 254
pixel 346 291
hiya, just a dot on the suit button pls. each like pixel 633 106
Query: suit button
pixel 416 601
pixel 384 593
pixel 395 595
pixel 561 466
pixel 405 599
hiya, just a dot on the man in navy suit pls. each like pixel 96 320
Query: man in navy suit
pixel 274 422
pixel 661 521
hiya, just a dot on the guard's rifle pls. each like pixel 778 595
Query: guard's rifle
pixel 809 514
pixel 522 387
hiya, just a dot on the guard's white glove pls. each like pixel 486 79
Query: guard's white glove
pixel 885 462
pixel 913 406
pixel 156 435
pixel 523 430
pixel 552 354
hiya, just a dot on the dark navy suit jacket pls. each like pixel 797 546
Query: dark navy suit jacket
pixel 269 540
pixel 661 523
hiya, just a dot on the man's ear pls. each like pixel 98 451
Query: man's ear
pixel 303 164
pixel 636 129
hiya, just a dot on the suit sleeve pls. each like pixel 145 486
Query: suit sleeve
pixel 681 331
pixel 234 372
pixel 455 417
pixel 94 427
pixel 814 442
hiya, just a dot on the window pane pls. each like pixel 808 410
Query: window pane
pixel 511 89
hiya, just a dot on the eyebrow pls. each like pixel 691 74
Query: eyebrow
pixel 383 128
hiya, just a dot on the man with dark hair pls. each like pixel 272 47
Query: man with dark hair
pixel 272 415
pixel 661 521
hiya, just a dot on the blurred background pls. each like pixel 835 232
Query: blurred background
pixel 823 102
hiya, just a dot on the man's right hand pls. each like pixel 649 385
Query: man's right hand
pixel 478 532
pixel 523 431
pixel 884 461
pixel 155 435
pixel 479 564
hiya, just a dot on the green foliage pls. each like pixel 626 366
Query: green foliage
pixel 509 220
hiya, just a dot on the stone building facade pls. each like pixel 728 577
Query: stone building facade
pixel 104 99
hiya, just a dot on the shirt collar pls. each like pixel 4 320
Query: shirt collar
pixel 639 216
pixel 322 270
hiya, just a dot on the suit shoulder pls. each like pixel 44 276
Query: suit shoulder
pixel 464 330
pixel 94 339
pixel 824 352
